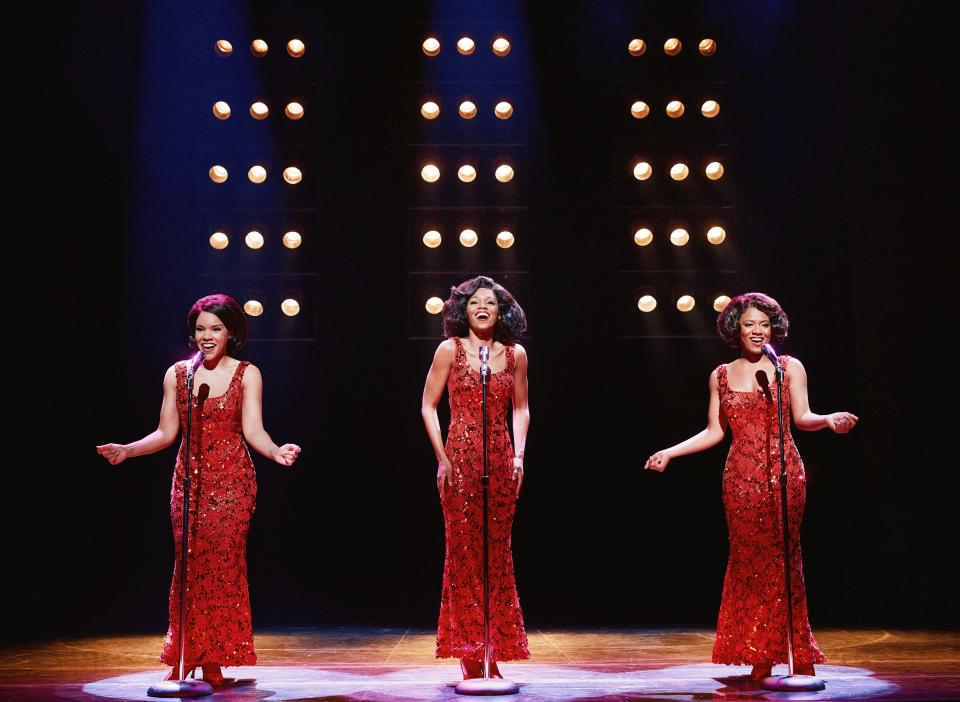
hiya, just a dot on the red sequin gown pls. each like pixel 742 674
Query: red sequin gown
pixel 751 628
pixel 460 630
pixel 223 495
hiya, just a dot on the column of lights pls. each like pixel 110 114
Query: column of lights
pixel 257 174
pixel 643 170
pixel 467 173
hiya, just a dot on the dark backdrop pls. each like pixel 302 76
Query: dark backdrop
pixel 840 138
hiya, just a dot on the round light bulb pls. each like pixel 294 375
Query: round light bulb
pixel 290 307
pixel 259 110
pixel 505 239
pixel 218 174
pixel 293 110
pixel 710 109
pixel 686 303
pixel 292 240
pixel 675 109
pixel 504 173
pixel 254 240
pixel 639 109
pixel 716 235
pixel 467 173
pixel 223 47
pixel 219 240
pixel 679 171
pixel 637 47
pixel 254 308
pixel 430 110
pixel 714 170
pixel 679 237
pixel 259 48
pixel 501 47
pixel 434 305
pixel 503 110
pixel 647 303
pixel 221 109
pixel 468 238
pixel 672 46
pixel 430 173
pixel 466 46
pixel 468 110
pixel 720 302
pixel 431 46
pixel 707 47
pixel 432 239
pixel 642 171
pixel 642 237
pixel 292 175
pixel 296 48
pixel 257 174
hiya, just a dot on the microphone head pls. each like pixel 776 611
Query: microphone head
pixel 197 360
pixel 769 352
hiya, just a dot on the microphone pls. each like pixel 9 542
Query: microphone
pixel 203 392
pixel 484 362
pixel 771 354
pixel 197 360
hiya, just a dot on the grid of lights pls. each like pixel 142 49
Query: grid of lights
pixel 260 110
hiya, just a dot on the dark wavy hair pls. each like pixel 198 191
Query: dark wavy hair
pixel 728 321
pixel 229 312
pixel 511 321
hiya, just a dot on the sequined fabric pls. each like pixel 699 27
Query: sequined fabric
pixel 751 628
pixel 223 495
pixel 460 630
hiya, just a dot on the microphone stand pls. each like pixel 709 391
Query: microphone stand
pixel 486 685
pixel 183 687
pixel 788 682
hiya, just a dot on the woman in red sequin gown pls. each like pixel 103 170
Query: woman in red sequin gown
pixel 223 488
pixel 479 313
pixel 751 627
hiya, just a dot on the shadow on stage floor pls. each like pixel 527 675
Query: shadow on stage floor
pixel 397 665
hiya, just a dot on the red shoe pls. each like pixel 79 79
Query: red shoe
pixel 471 669
pixel 213 675
pixel 761 671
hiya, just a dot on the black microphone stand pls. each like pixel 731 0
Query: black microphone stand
pixel 789 681
pixel 486 685
pixel 183 687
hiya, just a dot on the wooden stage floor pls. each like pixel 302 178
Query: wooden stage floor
pixel 397 665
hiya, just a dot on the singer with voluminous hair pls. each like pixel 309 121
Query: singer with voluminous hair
pixel 751 626
pixel 480 314
pixel 223 490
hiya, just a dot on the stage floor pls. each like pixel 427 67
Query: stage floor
pixel 397 665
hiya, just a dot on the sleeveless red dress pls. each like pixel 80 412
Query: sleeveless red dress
pixel 223 495
pixel 460 629
pixel 751 628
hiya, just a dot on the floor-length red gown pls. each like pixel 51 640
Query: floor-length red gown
pixel 223 495
pixel 751 627
pixel 460 629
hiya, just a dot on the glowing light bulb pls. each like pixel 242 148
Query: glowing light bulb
pixel 720 302
pixel 218 174
pixel 219 240
pixel 467 173
pixel 679 171
pixel 637 47
pixel 505 239
pixel 254 308
pixel 639 109
pixel 672 46
pixel 292 175
pixel 468 110
pixel 221 110
pixel 257 174
pixel 430 173
pixel 642 171
pixel 686 303
pixel 254 240
pixel 290 307
pixel 293 110
pixel 504 173
pixel 259 48
pixel 468 238
pixel 432 239
pixel 292 240
pixel 647 303
pixel 466 46
pixel 642 237
pixel 710 109
pixel 679 237
pixel 223 47
pixel 714 170
pixel 259 110
pixel 434 305
pixel 707 47
pixel 503 110
pixel 716 235
pixel 430 110
pixel 296 48
pixel 675 109
pixel 431 46
pixel 501 47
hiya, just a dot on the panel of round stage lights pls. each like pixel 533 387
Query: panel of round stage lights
pixel 672 47
pixel 715 235
pixel 468 238
pixel 466 46
pixel 685 303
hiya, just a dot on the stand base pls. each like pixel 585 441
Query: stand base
pixel 487 686
pixel 180 688
pixel 793 683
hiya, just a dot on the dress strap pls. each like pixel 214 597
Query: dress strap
pixel 511 360
pixel 722 377
pixel 784 364
pixel 461 355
